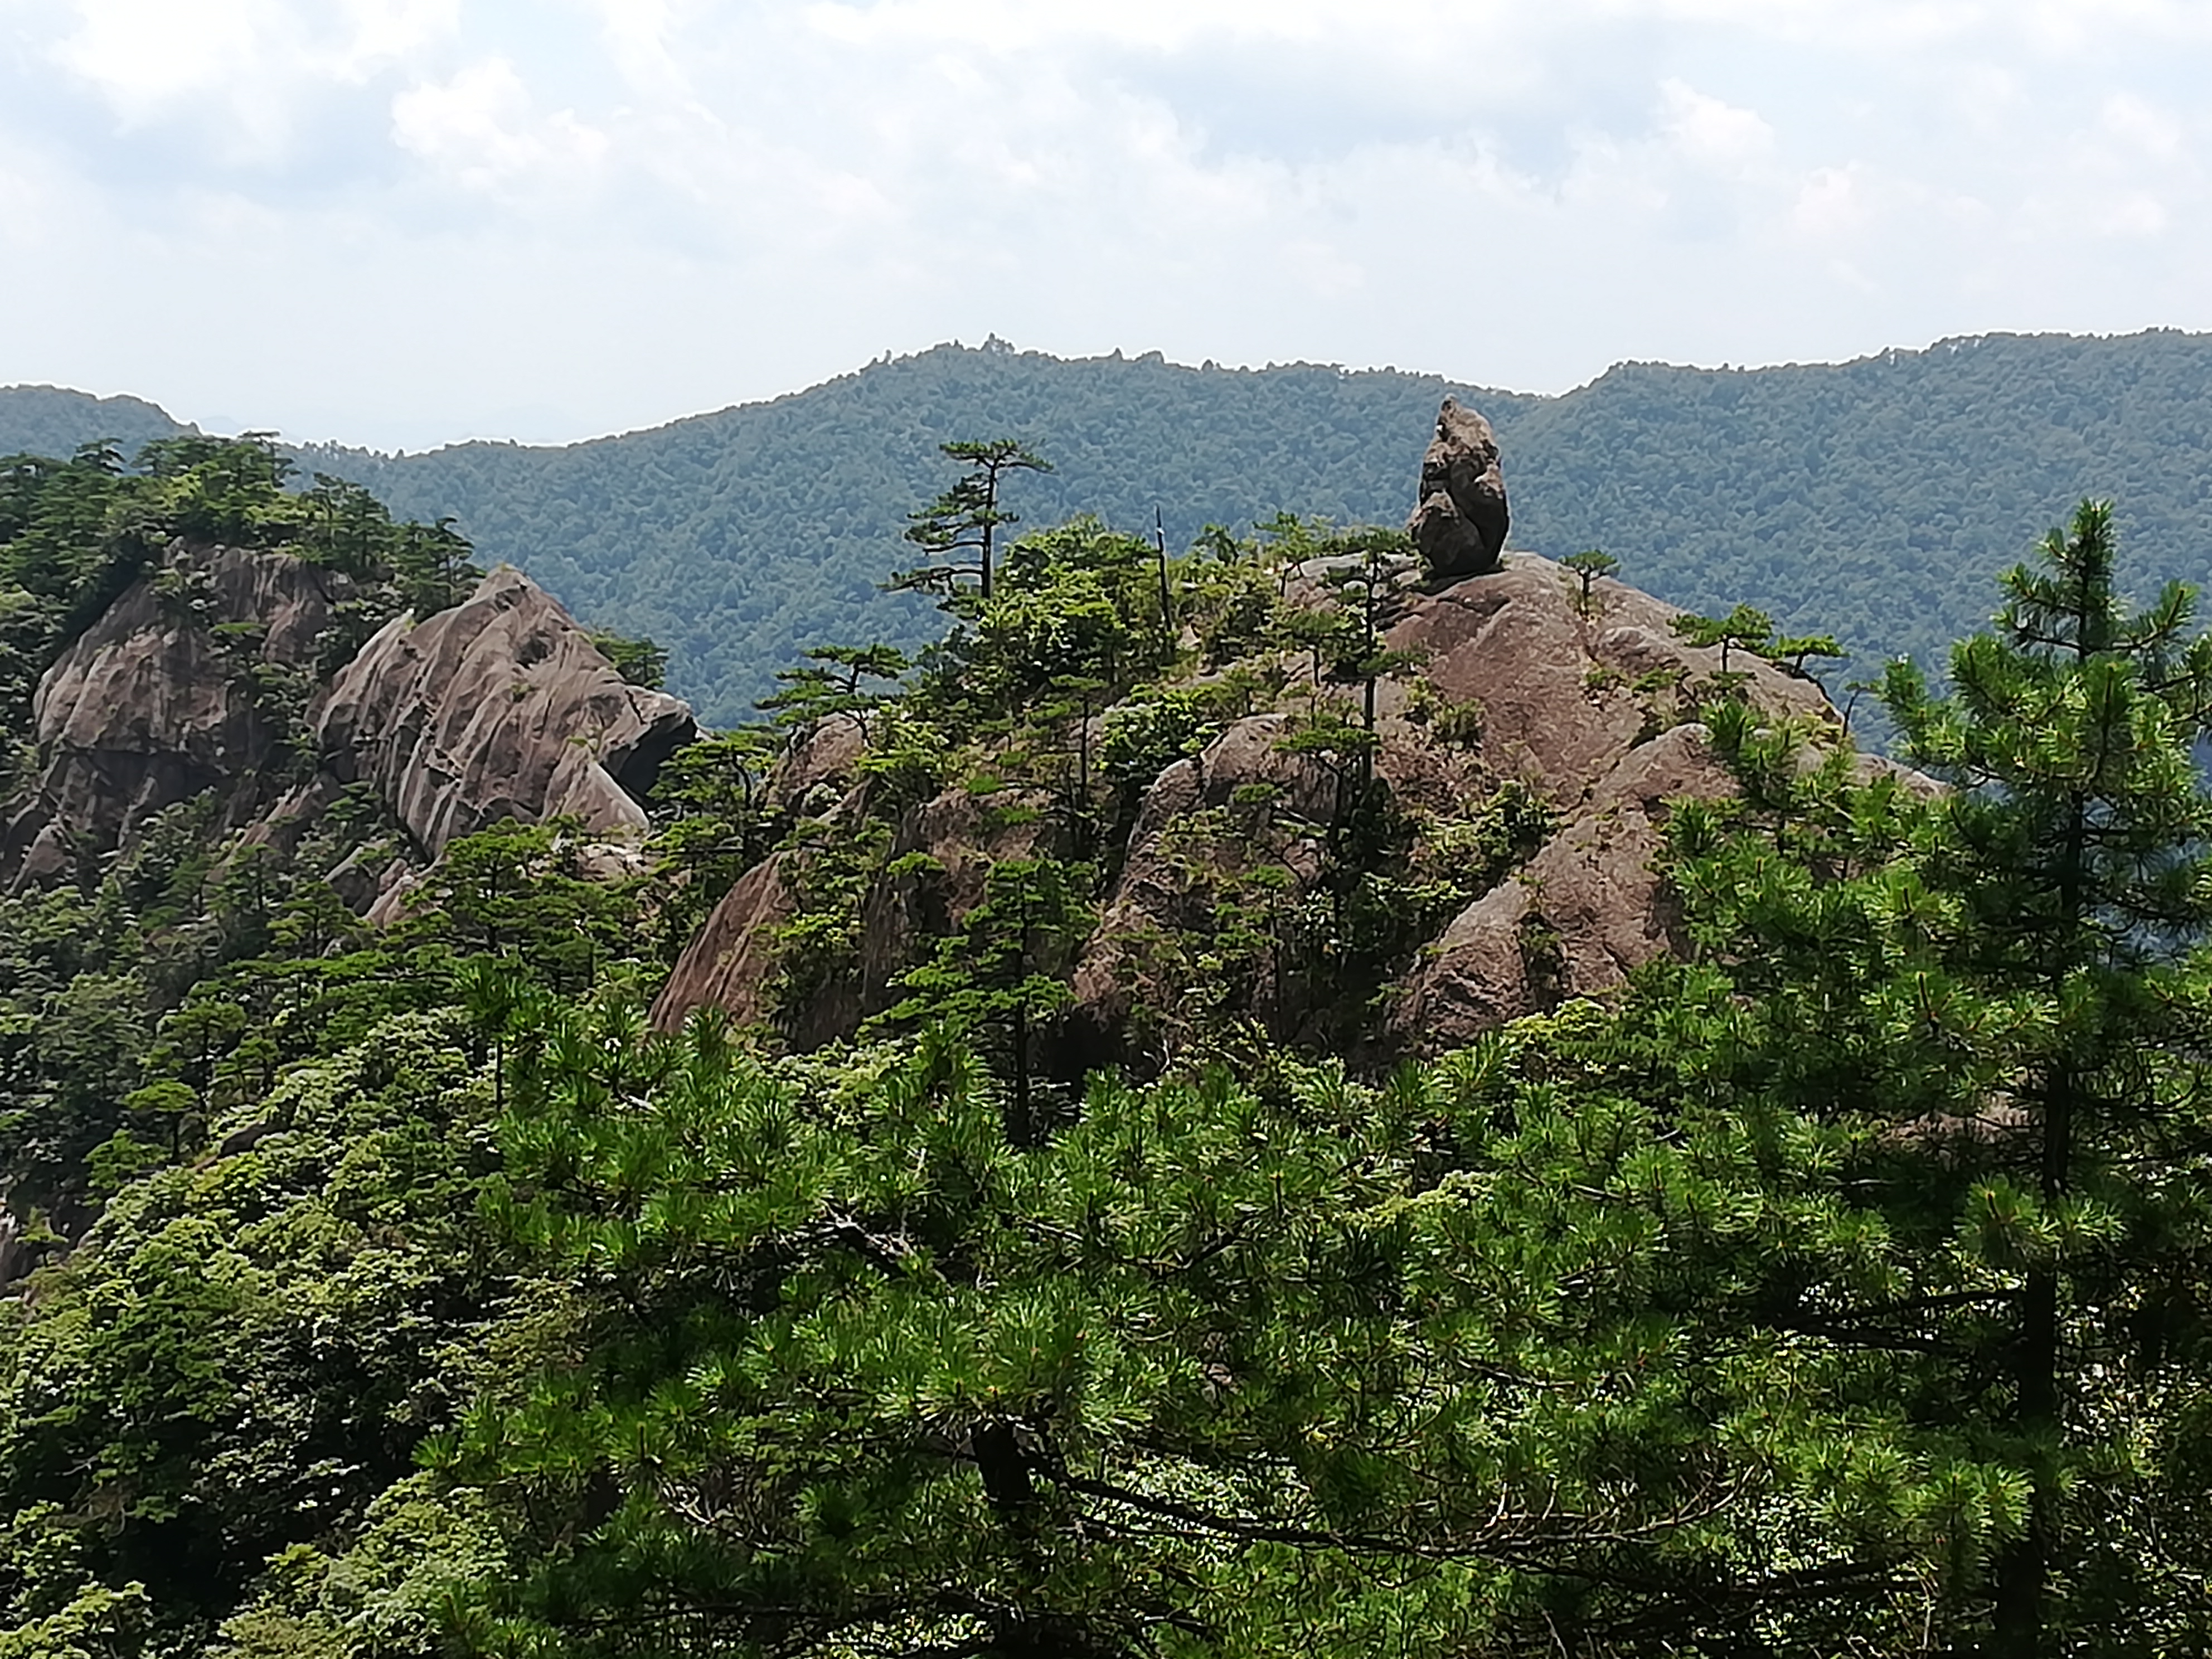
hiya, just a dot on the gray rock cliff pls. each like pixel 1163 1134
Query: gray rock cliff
pixel 199 678
pixel 498 707
pixel 161 699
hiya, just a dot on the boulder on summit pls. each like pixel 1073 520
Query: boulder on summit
pixel 1459 519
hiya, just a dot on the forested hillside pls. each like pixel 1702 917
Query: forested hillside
pixel 973 1167
pixel 47 420
pixel 1874 500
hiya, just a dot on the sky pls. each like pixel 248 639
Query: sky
pixel 400 222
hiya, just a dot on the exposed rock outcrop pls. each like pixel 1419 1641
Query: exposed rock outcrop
pixel 1531 728
pixel 195 680
pixel 1582 710
pixel 736 961
pixel 498 707
pixel 1573 920
pixel 158 700
pixel 1460 519
pixel 1582 706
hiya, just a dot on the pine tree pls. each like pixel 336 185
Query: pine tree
pixel 2076 849
pixel 1001 975
pixel 1743 629
pixel 1987 1008
pixel 829 685
pixel 966 518
pixel 1586 568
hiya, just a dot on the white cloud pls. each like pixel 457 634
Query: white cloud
pixel 628 208
pixel 1833 205
pixel 480 128
pixel 241 67
pixel 1713 134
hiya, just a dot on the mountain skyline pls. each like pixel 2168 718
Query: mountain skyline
pixel 1875 499
pixel 407 222
pixel 154 415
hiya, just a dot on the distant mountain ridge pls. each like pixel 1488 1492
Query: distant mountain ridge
pixel 54 420
pixel 1874 498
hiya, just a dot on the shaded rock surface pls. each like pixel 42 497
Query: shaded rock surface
pixel 498 707
pixel 153 705
pixel 737 960
pixel 1574 919
pixel 1460 517
pixel 731 962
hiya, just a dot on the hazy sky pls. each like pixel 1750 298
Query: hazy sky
pixel 398 222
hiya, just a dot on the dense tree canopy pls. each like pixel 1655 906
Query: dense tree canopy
pixel 1837 1287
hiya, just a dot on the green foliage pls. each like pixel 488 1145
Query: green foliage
pixel 1145 735
pixel 1792 650
pixel 829 685
pixel 1875 499
pixel 1469 856
pixel 740 538
pixel 1219 1368
pixel 208 1408
pixel 241 1357
pixel 713 822
pixel 827 869
pixel 1835 1289
pixel 2003 990
pixel 640 662
pixel 999 977
pixel 1586 568
pixel 1456 723
pixel 1742 628
pixel 74 534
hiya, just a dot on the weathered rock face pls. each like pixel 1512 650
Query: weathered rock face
pixel 498 707
pixel 1576 917
pixel 1458 521
pixel 153 705
pixel 736 961
pixel 731 963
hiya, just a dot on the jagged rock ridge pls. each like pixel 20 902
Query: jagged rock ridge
pixel 499 707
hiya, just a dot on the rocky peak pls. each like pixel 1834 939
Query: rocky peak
pixel 498 707
pixel 170 694
pixel 1514 693
pixel 1460 519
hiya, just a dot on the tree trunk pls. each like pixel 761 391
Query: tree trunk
pixel 1021 1130
pixel 2023 1570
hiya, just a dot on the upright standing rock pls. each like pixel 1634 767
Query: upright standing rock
pixel 1459 525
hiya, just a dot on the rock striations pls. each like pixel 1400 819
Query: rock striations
pixel 498 707
pixel 166 696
